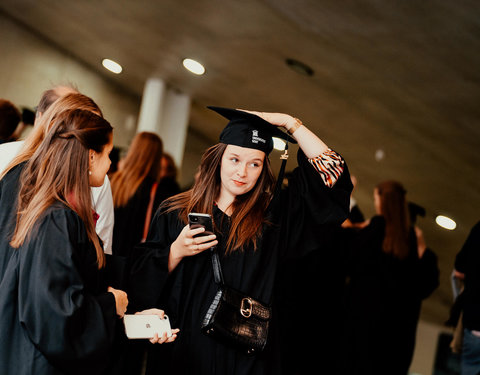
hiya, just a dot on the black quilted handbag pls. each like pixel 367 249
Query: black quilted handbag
pixel 234 318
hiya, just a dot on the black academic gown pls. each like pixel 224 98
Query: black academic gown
pixel 56 316
pixel 130 219
pixel 9 186
pixel 384 297
pixel 306 205
pixel 467 261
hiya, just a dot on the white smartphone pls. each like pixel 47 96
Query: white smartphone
pixel 139 326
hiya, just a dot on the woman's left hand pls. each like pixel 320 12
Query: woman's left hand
pixel 159 339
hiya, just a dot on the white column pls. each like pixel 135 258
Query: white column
pixel 151 108
pixel 176 113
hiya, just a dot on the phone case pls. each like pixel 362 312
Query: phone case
pixel 145 326
pixel 196 220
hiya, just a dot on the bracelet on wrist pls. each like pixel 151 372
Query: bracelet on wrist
pixel 295 126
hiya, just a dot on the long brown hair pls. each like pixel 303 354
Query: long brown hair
pixel 43 122
pixel 58 171
pixel 249 209
pixel 143 160
pixel 393 207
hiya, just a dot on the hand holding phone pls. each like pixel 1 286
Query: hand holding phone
pixel 143 326
pixel 191 240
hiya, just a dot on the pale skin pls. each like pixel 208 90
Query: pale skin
pixel 239 171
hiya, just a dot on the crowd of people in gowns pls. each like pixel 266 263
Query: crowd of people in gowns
pixel 80 247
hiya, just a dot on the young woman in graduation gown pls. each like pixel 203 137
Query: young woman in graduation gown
pixel 56 314
pixel 10 177
pixel 254 234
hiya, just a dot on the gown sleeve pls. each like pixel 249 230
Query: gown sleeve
pixel 309 209
pixel 428 274
pixel 70 323
pixel 464 257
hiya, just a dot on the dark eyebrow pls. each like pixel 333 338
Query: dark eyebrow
pixel 231 153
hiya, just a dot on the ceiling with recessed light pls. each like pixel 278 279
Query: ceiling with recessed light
pixel 393 86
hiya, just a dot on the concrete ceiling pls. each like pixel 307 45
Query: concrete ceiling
pixel 398 76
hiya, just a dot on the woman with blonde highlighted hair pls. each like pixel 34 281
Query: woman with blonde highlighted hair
pixel 10 178
pixel 60 98
pixel 55 308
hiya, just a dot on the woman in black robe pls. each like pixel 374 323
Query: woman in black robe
pixel 136 185
pixel 255 233
pixel 138 188
pixel 390 272
pixel 52 102
pixel 56 313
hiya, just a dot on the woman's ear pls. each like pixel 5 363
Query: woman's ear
pixel 91 158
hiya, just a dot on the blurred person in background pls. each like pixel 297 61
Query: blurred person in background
pixel 467 265
pixel 169 175
pixel 144 178
pixel 9 119
pixel 25 126
pixel 390 272
pixel 135 191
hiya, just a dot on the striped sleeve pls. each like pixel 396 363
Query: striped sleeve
pixel 329 165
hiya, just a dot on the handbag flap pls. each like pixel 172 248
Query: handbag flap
pixel 248 306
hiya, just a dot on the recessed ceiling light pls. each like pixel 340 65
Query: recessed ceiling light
pixel 299 67
pixel 111 65
pixel 193 66
pixel 445 222
pixel 379 155
pixel 278 144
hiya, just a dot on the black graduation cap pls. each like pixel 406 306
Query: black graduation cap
pixel 248 130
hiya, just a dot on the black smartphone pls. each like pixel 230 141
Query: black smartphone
pixel 196 220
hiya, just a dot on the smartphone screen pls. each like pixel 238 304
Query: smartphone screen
pixel 196 220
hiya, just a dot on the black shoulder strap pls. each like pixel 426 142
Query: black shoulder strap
pixel 217 267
